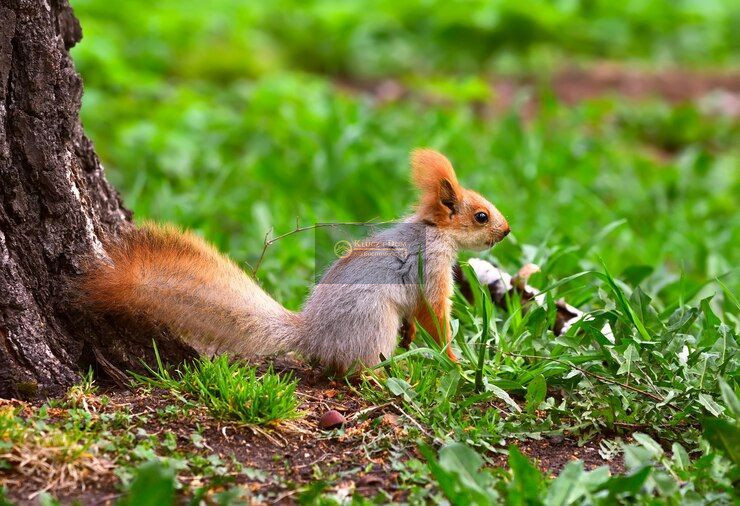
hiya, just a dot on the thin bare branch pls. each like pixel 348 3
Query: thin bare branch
pixel 298 228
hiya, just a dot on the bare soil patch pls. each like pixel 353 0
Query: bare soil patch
pixel 717 91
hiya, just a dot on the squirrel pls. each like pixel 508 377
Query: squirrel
pixel 179 280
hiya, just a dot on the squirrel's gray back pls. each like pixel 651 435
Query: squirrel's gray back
pixel 355 311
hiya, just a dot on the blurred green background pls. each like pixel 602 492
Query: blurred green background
pixel 233 117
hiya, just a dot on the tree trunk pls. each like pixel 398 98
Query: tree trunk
pixel 55 207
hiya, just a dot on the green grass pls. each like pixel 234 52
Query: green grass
pixel 652 477
pixel 153 484
pixel 662 370
pixel 227 40
pixel 229 389
pixel 662 375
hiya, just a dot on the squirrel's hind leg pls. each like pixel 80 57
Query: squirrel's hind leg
pixel 408 333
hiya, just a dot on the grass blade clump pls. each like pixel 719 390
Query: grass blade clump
pixel 229 389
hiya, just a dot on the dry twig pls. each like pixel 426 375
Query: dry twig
pixel 298 228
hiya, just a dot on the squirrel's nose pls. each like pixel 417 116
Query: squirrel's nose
pixel 506 231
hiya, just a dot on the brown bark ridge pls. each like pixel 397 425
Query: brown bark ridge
pixel 55 208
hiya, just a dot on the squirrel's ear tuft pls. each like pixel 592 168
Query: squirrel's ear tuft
pixel 430 168
pixel 433 174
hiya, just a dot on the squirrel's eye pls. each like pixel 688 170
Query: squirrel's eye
pixel 481 217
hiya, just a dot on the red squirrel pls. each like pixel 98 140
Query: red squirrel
pixel 176 278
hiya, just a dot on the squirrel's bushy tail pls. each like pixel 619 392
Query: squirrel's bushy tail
pixel 178 279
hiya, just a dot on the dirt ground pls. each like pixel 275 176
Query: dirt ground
pixel 716 92
pixel 291 455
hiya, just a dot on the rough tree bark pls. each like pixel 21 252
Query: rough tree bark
pixel 55 207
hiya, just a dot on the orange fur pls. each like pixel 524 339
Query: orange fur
pixel 178 279
pixel 428 168
pixel 111 285
pixel 434 317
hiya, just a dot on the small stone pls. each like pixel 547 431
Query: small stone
pixel 371 480
pixel 332 419
pixel 389 420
